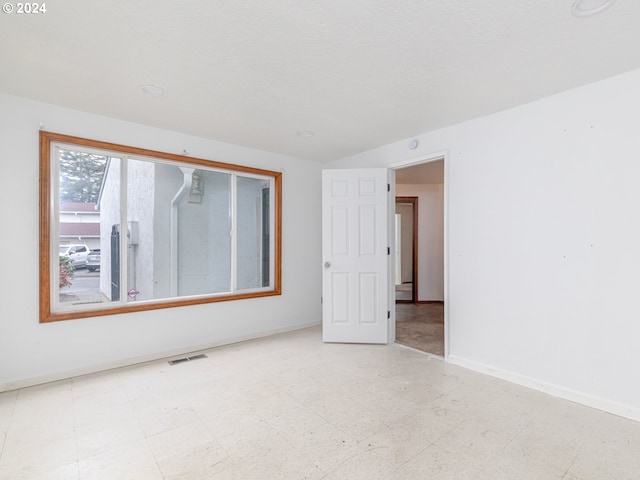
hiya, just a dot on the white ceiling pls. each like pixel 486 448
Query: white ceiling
pixel 358 73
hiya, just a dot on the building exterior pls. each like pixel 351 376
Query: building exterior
pixel 80 223
pixel 178 242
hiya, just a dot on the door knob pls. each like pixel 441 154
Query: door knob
pixel 327 264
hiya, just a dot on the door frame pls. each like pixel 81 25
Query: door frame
pixel 428 158
pixel 414 248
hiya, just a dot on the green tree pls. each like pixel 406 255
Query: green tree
pixel 80 176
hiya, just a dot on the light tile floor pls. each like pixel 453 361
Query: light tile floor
pixel 291 407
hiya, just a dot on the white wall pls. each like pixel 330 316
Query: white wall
pixel 544 241
pixel 32 352
pixel 430 238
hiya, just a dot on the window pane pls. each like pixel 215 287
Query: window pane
pixel 110 231
pixel 204 240
pixel 178 225
pixel 81 228
pixel 253 236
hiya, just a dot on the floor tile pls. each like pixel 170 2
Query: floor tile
pixel 201 461
pixel 130 462
pixel 290 406
pixel 440 464
pixel 41 472
pixel 7 405
pixel 327 446
pixel 364 465
pixel 92 440
pixel 295 421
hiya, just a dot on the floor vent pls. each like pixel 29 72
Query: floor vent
pixel 186 359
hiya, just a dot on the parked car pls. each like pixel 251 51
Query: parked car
pixel 76 253
pixel 93 260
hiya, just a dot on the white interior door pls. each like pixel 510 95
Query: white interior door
pixel 356 256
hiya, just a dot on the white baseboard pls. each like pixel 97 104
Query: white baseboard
pixel 54 377
pixel 554 390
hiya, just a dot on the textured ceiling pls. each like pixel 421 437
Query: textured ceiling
pixel 360 74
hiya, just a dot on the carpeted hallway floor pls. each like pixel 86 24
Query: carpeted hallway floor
pixel 421 326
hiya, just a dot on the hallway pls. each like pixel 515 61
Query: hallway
pixel 421 326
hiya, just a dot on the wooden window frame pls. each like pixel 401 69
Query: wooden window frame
pixel 46 315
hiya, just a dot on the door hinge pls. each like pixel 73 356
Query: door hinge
pixel 388 250
pixel 388 313
pixel 388 187
pixel 320 299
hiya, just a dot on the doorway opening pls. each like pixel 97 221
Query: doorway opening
pixel 420 309
pixel 406 226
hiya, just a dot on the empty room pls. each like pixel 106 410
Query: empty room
pixel 206 274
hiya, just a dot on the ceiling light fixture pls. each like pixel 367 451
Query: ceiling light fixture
pixel 305 133
pixel 587 8
pixel 153 91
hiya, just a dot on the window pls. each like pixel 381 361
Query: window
pixel 168 230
